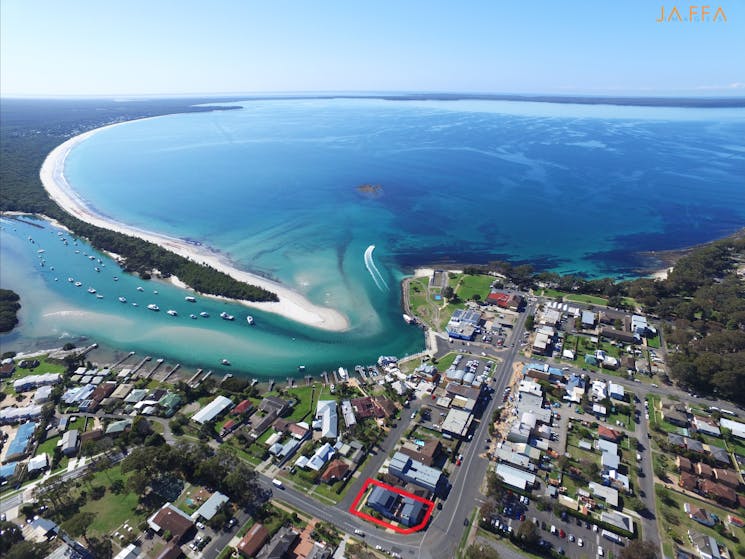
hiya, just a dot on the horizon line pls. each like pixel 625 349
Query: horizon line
pixel 380 93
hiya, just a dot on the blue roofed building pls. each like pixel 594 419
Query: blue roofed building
pixel 383 501
pixel 7 471
pixel 575 388
pixel 411 512
pixel 18 447
pixel 210 507
pixel 464 324
pixel 410 471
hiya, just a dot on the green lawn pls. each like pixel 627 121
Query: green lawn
pixel 112 510
pixel 447 360
pixel 654 342
pixel 48 446
pixel 580 298
pixel 474 285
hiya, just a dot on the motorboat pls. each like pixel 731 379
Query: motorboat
pixel 171 312
pixel 190 299
pixel 91 290
pixel 204 314
pixel 225 362
pixel 122 299
pixel 250 320
pixel 153 307
pixel 193 316
pixel 226 316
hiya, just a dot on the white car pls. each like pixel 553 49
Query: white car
pixel 378 547
pixel 359 532
pixel 580 543
pixel 600 552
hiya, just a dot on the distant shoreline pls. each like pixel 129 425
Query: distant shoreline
pixel 291 304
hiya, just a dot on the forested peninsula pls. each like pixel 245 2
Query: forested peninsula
pixel 9 307
pixel 30 129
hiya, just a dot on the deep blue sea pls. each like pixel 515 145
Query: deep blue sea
pixel 273 185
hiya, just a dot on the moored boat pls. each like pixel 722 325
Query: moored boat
pixel 190 299
pixel 122 299
pixel 193 316
pixel 171 312
pixel 225 362
pixel 91 290
pixel 250 320
pixel 226 316
pixel 153 307
pixel 204 314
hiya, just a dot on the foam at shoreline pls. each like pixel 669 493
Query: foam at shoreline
pixel 291 304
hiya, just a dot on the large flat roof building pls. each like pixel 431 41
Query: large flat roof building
pixel 515 477
pixel 406 469
pixel 212 410
pixel 457 423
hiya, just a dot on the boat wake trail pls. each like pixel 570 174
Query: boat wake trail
pixel 373 269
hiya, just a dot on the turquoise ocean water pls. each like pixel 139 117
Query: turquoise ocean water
pixel 573 188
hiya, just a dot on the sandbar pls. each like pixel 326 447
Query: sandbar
pixel 291 304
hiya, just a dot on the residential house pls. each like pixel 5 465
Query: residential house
pixel 69 442
pixel 171 520
pixel 210 507
pixel 609 434
pixel 727 477
pixel 383 501
pixel 683 464
pixel 735 427
pixel 326 419
pixel 699 514
pixel 719 492
pixel 322 455
pixel 688 481
pixel 212 410
pixel 704 470
pixel 706 426
pixel 253 541
pixel 411 511
pixel 706 546
pixel 427 454
pixel 335 471
pixel 279 545
pixel 675 415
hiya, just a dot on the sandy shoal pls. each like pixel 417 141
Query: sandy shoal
pixel 291 304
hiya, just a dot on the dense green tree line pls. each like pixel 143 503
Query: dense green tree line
pixel 9 307
pixel 30 129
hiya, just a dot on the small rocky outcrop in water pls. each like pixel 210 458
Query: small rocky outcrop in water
pixel 371 190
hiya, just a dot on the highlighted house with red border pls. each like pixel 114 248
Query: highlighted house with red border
pixel 397 505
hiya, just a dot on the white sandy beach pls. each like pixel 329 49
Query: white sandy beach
pixel 291 304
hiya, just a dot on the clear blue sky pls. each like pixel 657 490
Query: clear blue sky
pixel 117 47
